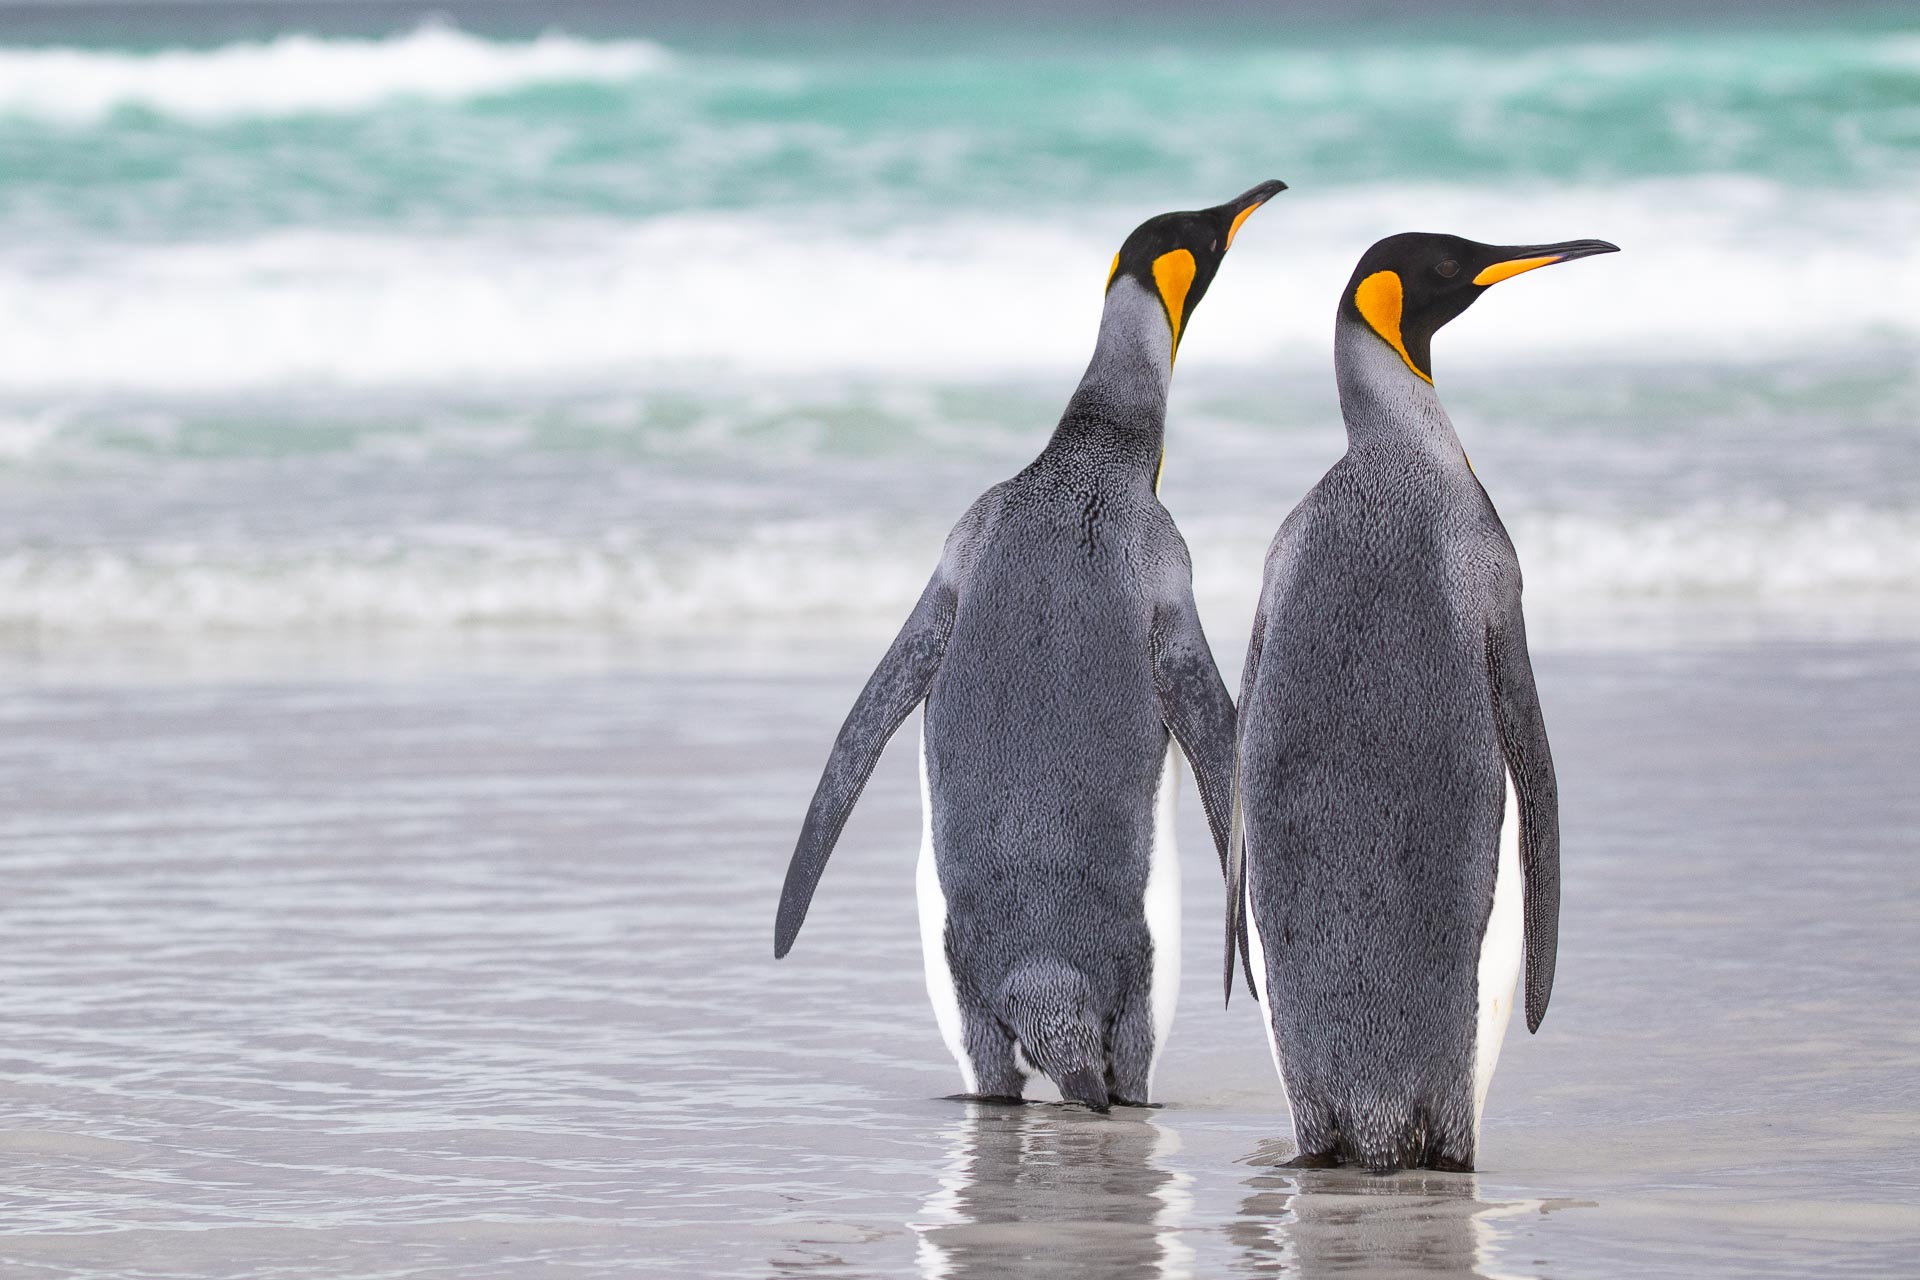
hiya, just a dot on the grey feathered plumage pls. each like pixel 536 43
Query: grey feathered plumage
pixel 1386 693
pixel 1056 647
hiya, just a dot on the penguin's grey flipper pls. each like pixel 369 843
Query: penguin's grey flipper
pixel 1197 708
pixel 896 687
pixel 1283 560
pixel 1237 827
pixel 1523 741
pixel 1199 712
pixel 1237 896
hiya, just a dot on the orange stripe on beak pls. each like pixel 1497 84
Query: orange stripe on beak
pixel 1508 270
pixel 1239 218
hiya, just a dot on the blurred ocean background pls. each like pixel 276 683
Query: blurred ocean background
pixel 456 470
pixel 348 325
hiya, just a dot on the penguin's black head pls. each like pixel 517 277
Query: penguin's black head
pixel 1174 256
pixel 1408 285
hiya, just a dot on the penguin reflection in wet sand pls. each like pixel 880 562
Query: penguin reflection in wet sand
pixel 1396 826
pixel 1055 647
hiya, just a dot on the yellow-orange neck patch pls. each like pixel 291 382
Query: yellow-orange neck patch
pixel 1379 299
pixel 1113 271
pixel 1173 274
pixel 1508 270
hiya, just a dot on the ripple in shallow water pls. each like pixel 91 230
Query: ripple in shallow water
pixel 471 974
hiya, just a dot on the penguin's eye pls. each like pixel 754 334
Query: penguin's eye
pixel 1448 268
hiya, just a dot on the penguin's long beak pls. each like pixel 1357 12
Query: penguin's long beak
pixel 1516 259
pixel 1241 207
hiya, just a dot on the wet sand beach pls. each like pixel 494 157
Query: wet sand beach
pixel 470 973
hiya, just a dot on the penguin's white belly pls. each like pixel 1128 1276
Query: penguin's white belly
pixel 1257 965
pixel 933 934
pixel 1162 904
pixel 1501 948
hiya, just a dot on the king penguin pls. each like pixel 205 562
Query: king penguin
pixel 1060 660
pixel 1395 835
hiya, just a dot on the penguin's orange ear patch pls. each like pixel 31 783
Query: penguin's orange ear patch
pixel 1113 271
pixel 1380 299
pixel 1173 274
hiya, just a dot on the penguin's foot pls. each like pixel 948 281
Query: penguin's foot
pixel 988 1099
pixel 1314 1160
pixel 1129 1102
pixel 1431 1164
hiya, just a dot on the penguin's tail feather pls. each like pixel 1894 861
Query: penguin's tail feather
pixel 1048 1006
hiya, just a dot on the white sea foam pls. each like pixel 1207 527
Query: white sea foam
pixel 858 578
pixel 1744 553
pixel 1711 268
pixel 451 579
pixel 1728 553
pixel 299 74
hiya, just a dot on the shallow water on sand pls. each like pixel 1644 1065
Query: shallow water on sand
pixel 471 974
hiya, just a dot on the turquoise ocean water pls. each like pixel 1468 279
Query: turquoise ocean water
pixel 402 326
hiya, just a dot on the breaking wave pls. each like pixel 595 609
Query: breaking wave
pixel 857 578
pixel 1715 268
pixel 302 74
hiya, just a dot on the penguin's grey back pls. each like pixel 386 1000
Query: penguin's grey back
pixel 1045 741
pixel 1384 790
